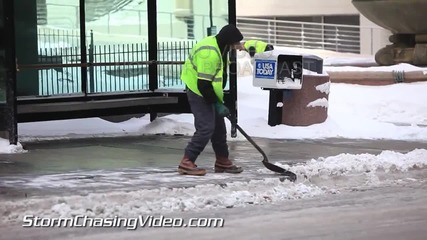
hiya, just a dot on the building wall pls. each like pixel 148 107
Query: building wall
pixel 132 23
pixel 372 37
pixel 294 8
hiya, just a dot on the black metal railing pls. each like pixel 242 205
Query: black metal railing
pixel 59 79
pixel 65 77
pixel 118 78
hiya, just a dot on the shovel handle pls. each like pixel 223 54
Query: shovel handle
pixel 251 141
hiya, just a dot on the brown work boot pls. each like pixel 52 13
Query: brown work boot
pixel 187 167
pixel 224 164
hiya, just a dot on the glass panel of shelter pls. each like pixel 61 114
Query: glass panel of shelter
pixel 180 24
pixel 117 34
pixel 47 35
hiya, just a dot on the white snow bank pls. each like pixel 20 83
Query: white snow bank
pixel 321 102
pixel 398 67
pixel 346 164
pixel 332 57
pixel 7 148
pixel 395 112
pixel 103 179
pixel 324 88
pixel 234 194
pixel 349 60
pixel 72 127
pixel 354 111
pixel 162 200
pixel 401 103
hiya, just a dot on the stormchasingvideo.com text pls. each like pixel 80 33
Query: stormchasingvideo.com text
pixel 81 221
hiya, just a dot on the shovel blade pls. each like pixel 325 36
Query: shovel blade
pixel 290 175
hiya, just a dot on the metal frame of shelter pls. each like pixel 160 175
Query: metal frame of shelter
pixel 87 104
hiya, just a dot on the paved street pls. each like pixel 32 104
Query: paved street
pixel 393 213
pixel 389 213
pixel 143 162
pixel 394 210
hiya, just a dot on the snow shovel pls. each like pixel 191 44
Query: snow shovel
pixel 290 175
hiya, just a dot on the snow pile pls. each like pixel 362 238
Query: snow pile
pixel 324 88
pixel 72 128
pixel 356 112
pixel 395 112
pixel 348 164
pixel 398 67
pixel 402 103
pixel 321 102
pixel 7 148
pixel 238 193
pixel 162 200
pixel 103 179
pixel 168 126
pixel 358 60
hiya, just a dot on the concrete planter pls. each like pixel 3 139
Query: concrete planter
pixel 405 19
pixel 309 105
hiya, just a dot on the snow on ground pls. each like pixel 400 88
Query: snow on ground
pixel 398 67
pixel 345 164
pixel 332 58
pixel 354 111
pixel 5 147
pixel 163 200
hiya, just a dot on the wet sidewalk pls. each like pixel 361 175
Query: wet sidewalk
pixel 83 166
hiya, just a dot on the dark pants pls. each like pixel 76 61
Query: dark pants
pixel 209 126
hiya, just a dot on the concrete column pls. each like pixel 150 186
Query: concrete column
pixel 372 37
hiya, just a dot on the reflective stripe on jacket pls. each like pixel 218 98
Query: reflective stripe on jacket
pixel 204 63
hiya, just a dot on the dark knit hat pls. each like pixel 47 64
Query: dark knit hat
pixel 229 34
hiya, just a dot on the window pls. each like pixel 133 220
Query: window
pixel 180 24
pixel 117 35
pixel 47 33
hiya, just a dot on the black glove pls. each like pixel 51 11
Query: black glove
pixel 207 91
pixel 252 51
pixel 269 47
pixel 222 110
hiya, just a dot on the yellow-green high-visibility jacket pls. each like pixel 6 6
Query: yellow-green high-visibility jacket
pixel 205 63
pixel 257 44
